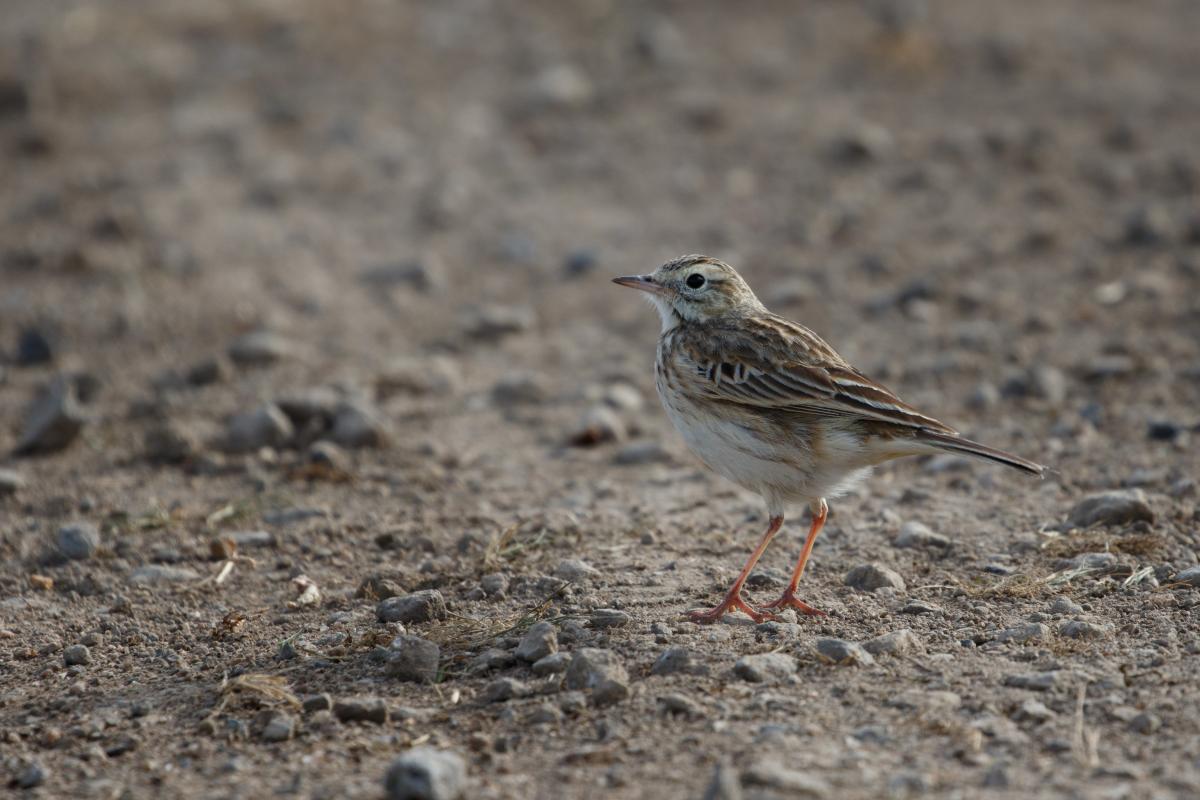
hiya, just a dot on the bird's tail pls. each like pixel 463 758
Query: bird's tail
pixel 957 444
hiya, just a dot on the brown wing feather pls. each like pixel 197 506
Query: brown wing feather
pixel 771 364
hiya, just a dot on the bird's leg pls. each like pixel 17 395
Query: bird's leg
pixel 820 511
pixel 733 598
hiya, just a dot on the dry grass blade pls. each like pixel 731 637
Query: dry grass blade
pixel 271 688
pixel 491 554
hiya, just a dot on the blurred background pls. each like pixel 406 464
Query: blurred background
pixel 354 256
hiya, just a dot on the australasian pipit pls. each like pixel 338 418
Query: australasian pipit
pixel 767 404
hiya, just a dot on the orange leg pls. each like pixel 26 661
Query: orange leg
pixel 789 599
pixel 733 599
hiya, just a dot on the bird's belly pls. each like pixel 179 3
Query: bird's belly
pixel 751 458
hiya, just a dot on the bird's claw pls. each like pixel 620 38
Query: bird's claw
pixel 732 602
pixel 789 600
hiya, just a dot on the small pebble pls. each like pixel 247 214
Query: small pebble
pixel 870 577
pixel 279 728
pixel 917 534
pixel 424 773
pixel 366 709
pixel 843 653
pixel 77 654
pixel 896 643
pixel 1023 634
pixel 602 672
pixel 552 664
pixel 540 641
pixel 260 348
pixel 1111 508
pixel 412 658
pixel 608 618
pixel 78 541
pixel 764 667
pixel 422 606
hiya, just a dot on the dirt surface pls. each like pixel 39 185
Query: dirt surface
pixel 414 210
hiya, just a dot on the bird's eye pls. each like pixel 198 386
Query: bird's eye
pixel 695 280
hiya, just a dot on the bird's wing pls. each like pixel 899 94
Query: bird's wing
pixel 772 364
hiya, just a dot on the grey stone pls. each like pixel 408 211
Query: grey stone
pixel 869 577
pixel 602 672
pixel 896 643
pixel 598 425
pixel 843 653
pixel 552 664
pixel 11 482
pixel 502 689
pixel 423 274
pixel 209 371
pixel 78 541
pixel 34 346
pixel 520 388
pixel 771 774
pixel 432 375
pixel 170 443
pixel 1145 723
pixel 260 348
pixel 1081 629
pixel 765 667
pixel 421 606
pixel 266 426
pixel 1065 605
pixel 490 659
pixel 53 420
pixel 539 641
pixel 1023 634
pixel 357 424
pixel 156 574
pixel 494 585
pixel 1037 681
pixel 920 607
pixel 279 728
pixel 77 654
pixel 424 773
pixel 1092 561
pixel 865 142
pixel 246 540
pixel 303 406
pixel 560 87
pixel 328 455
pixel 917 534
pixel 31 775
pixel 413 659
pixel 724 784
pixel 361 709
pixel 1188 577
pixel 1111 508
pixel 317 702
pixel 573 702
pixel 643 452
pixel 676 660
pixel 680 704
pixel 609 618
pixel 1033 711
pixel 290 516
pixel 492 323
pixel 573 570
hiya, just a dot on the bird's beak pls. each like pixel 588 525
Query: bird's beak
pixel 643 282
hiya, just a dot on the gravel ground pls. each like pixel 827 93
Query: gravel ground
pixel 328 443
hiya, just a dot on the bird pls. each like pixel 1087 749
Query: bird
pixel 769 405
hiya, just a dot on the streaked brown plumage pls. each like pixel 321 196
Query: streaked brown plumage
pixel 768 404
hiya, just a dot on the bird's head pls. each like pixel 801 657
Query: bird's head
pixel 697 289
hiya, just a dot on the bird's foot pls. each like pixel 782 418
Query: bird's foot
pixel 732 602
pixel 789 600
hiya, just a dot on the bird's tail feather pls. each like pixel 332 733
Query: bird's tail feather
pixel 957 444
